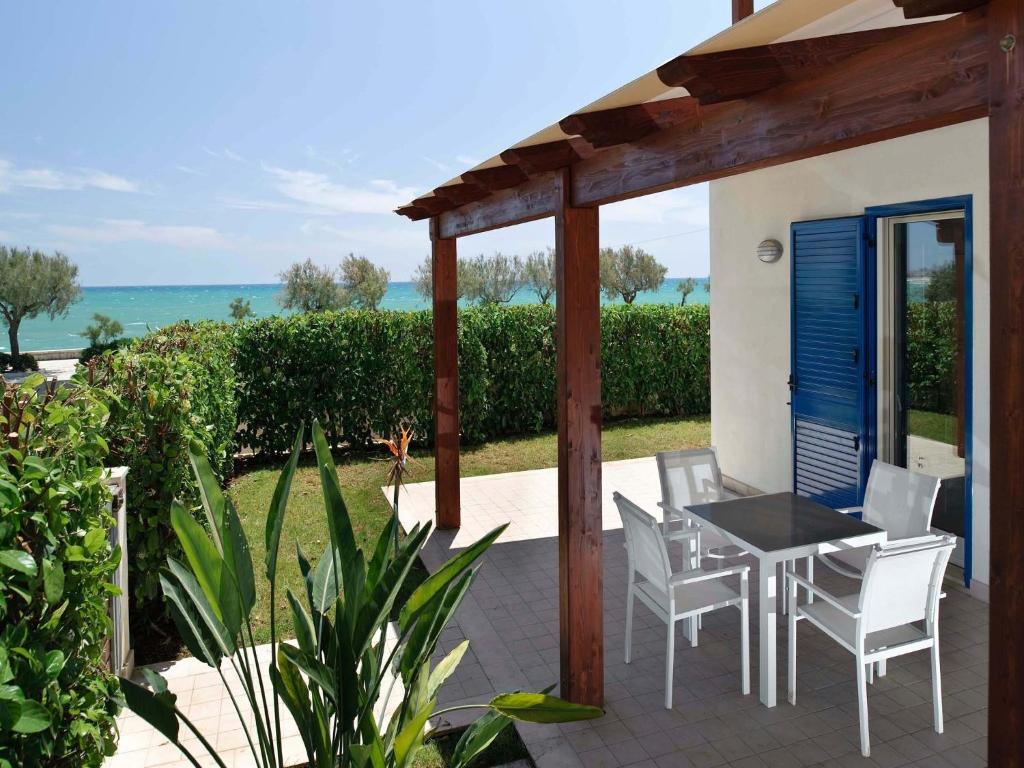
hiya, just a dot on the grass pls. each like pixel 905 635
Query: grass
pixel 361 477
pixel 934 426
pixel 507 748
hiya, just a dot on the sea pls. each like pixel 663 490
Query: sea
pixel 141 309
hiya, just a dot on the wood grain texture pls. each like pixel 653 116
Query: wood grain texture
pixel 497 178
pixel 1006 179
pixel 541 158
pixel 919 9
pixel 608 127
pixel 446 380
pixel 580 536
pixel 741 9
pixel 712 78
pixel 534 199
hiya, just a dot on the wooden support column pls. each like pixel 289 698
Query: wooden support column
pixel 577 302
pixel 741 9
pixel 1006 187
pixel 446 379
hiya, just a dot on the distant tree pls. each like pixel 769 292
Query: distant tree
pixel 241 309
pixel 539 274
pixel 942 283
pixel 685 288
pixel 362 284
pixel 34 283
pixel 423 278
pixel 102 330
pixel 627 271
pixel 309 287
pixel 494 279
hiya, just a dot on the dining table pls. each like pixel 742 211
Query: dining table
pixel 779 528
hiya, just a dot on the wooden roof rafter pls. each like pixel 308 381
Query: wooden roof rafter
pixel 608 127
pixel 919 9
pixel 541 158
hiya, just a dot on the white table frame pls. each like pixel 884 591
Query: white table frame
pixel 768 607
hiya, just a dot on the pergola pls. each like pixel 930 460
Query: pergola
pixel 727 108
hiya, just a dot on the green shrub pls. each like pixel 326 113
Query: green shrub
pixel 57 701
pixel 931 356
pixel 359 373
pixel 165 391
pixel 24 362
pixel 95 350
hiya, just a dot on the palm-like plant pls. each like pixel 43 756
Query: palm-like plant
pixel 337 678
pixel 398 466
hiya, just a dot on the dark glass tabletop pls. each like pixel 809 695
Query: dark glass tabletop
pixel 780 521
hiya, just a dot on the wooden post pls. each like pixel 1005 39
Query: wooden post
pixel 1006 194
pixel 578 305
pixel 446 379
pixel 741 9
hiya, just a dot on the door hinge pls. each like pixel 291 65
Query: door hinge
pixel 791 383
pixel 856 443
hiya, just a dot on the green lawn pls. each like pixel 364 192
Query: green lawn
pixel 361 477
pixel 934 426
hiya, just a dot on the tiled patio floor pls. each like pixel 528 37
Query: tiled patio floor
pixel 511 619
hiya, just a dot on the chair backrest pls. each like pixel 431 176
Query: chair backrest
pixel 899 501
pixel 644 544
pixel 903 581
pixel 689 477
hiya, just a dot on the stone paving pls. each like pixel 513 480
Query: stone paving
pixel 511 620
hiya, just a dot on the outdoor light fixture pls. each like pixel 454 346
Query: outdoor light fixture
pixel 769 250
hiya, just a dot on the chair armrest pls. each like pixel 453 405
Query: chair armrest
pixel 850 574
pixel 682 533
pixel 828 597
pixel 692 577
pixel 678 513
pixel 851 510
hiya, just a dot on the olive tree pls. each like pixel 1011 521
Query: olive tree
pixel 362 283
pixel 685 288
pixel 241 309
pixel 539 274
pixel 423 279
pixel 494 279
pixel 627 271
pixel 308 287
pixel 102 330
pixel 33 283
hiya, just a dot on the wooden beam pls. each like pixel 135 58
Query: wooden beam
pixel 413 212
pixel 1006 248
pixel 716 77
pixel 532 200
pixel 608 127
pixel 580 535
pixel 935 75
pixel 919 9
pixel 432 204
pixel 446 379
pixel 497 178
pixel 459 194
pixel 741 9
pixel 541 158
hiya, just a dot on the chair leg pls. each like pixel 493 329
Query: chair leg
pixel 810 578
pixel 871 674
pixel 862 705
pixel 629 624
pixel 745 644
pixel 670 661
pixel 882 668
pixel 791 675
pixel 936 686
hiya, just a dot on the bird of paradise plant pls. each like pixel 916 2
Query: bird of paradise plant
pixel 398 466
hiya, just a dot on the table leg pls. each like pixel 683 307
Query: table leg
pixel 767 607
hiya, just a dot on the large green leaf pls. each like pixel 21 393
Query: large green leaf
pixel 33 717
pixel 289 685
pixel 197 637
pixel 338 521
pixel 410 738
pixel 278 505
pixel 313 668
pixel 18 560
pixel 238 558
pixel 422 640
pixel 53 580
pixel 305 632
pixel 445 575
pixel 196 598
pixel 157 709
pixel 541 708
pixel 478 737
pixel 324 582
pixel 209 491
pixel 445 668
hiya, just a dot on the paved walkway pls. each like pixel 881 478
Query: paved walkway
pixel 511 618
pixel 61 370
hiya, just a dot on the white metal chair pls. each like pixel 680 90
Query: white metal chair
pixel 898 501
pixel 896 612
pixel 674 596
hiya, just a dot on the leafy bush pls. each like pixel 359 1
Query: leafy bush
pixel 165 391
pixel 361 372
pixel 95 350
pixel 931 354
pixel 57 701
pixel 23 362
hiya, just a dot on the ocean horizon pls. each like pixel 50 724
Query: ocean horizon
pixel 143 308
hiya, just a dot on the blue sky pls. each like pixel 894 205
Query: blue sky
pixel 217 142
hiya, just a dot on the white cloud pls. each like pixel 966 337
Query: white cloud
pixel 109 231
pixel 467 160
pixel 399 237
pixel 688 207
pixel 190 170
pixel 318 194
pixel 444 167
pixel 12 177
pixel 224 154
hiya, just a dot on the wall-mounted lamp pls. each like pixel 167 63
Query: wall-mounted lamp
pixel 769 251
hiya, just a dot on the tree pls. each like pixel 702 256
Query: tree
pixel 494 279
pixel 33 283
pixel 362 284
pixel 627 271
pixel 241 309
pixel 102 330
pixel 423 278
pixel 685 288
pixel 942 283
pixel 309 287
pixel 539 274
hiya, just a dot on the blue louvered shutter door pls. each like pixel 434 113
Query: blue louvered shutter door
pixel 830 405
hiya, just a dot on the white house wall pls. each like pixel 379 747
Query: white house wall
pixel 750 318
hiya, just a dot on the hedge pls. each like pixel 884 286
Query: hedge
pixel 361 372
pixel 57 700
pixel 931 352
pixel 163 392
